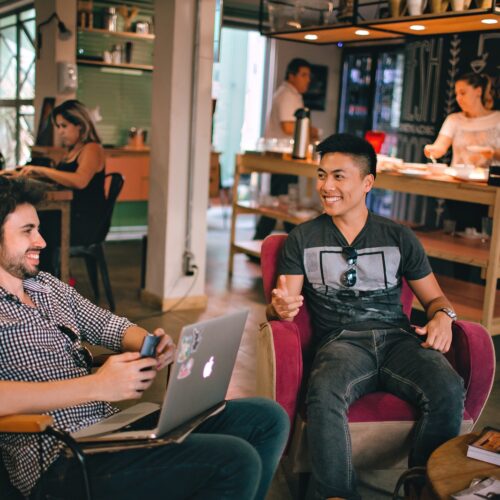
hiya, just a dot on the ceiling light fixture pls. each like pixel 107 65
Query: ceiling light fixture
pixel 310 36
pixel 362 32
pixel 489 21
pixel 417 27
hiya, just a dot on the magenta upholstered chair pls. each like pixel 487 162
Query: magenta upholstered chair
pixel 380 423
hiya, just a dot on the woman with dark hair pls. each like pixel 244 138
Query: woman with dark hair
pixel 82 169
pixel 477 124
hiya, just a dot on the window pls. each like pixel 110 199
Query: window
pixel 17 89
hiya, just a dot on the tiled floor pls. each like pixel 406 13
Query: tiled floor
pixel 243 290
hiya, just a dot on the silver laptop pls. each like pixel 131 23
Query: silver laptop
pixel 197 387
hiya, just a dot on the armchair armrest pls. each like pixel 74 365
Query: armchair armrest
pixel 25 423
pixel 473 356
pixel 279 364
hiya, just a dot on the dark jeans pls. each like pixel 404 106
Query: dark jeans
pixel 279 185
pixel 232 455
pixel 357 363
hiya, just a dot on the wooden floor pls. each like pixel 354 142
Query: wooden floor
pixel 244 290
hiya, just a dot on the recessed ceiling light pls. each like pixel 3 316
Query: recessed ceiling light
pixel 489 21
pixel 417 27
pixel 311 37
pixel 362 32
pixel 294 24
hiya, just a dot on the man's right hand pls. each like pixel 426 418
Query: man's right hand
pixel 124 376
pixel 286 306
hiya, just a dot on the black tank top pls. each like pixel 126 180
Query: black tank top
pixel 87 207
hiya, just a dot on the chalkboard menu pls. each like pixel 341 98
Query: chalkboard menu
pixel 431 68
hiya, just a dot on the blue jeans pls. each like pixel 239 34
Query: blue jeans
pixel 357 363
pixel 232 455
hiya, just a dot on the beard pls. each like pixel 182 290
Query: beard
pixel 16 266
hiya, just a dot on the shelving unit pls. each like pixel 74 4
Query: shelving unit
pixel 474 302
pixel 89 62
pixel 324 27
pixel 121 34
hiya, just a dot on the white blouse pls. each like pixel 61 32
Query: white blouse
pixel 464 131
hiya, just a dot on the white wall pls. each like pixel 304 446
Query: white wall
pixel 329 55
pixel 180 139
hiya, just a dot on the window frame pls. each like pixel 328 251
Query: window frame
pixel 17 103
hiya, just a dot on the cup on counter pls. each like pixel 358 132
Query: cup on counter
pixel 449 226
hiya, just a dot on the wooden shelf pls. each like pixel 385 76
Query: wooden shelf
pixel 121 34
pixel 280 212
pixel 467 299
pixel 142 67
pixel 440 24
pixel 455 249
pixel 337 34
pixel 392 28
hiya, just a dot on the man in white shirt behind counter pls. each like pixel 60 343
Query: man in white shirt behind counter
pixel 280 125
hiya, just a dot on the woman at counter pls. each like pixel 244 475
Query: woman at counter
pixel 82 169
pixel 475 125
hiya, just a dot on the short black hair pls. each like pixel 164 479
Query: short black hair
pixel 294 66
pixel 348 144
pixel 14 192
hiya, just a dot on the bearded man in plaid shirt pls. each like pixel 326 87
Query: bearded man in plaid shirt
pixel 44 368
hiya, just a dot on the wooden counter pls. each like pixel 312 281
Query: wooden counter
pixel 132 163
pixel 473 302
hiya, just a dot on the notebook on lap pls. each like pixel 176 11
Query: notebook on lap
pixel 198 384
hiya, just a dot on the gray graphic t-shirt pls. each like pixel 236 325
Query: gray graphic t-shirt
pixel 386 252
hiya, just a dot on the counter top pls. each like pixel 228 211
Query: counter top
pixel 57 152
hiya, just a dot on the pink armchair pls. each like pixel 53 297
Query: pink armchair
pixel 380 423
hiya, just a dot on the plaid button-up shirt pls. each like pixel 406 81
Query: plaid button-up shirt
pixel 35 347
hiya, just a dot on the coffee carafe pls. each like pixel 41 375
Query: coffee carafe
pixel 301 133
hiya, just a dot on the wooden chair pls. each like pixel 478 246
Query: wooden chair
pixel 37 424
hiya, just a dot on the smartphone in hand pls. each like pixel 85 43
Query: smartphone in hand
pixel 149 344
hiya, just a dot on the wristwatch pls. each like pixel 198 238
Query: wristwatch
pixel 450 312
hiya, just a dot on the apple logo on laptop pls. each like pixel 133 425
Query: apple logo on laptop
pixel 207 369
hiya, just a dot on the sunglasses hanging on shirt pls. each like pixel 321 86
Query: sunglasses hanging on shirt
pixel 349 277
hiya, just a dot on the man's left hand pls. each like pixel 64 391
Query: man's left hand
pixel 438 331
pixel 165 351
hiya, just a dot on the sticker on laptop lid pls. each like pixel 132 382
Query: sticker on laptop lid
pixel 185 369
pixel 185 349
pixel 196 339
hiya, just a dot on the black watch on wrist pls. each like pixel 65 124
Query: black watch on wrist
pixel 449 312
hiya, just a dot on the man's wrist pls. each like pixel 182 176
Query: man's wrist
pixel 446 311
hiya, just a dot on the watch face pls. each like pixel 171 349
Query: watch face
pixel 449 312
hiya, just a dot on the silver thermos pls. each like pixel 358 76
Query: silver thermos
pixel 301 133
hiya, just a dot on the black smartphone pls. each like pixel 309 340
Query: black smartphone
pixel 149 344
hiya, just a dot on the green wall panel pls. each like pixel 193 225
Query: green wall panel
pixel 130 213
pixel 124 100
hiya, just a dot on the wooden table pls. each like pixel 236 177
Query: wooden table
pixel 61 200
pixel 449 470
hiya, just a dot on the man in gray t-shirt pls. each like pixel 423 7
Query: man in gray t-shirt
pixel 350 264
